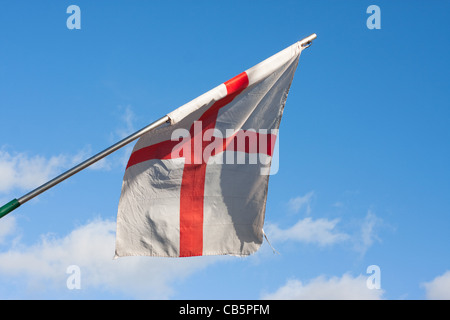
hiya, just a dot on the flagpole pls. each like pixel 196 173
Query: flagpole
pixel 306 42
pixel 15 203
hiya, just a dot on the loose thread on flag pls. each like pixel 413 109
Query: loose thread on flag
pixel 267 239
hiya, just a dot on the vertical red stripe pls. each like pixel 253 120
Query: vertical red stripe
pixel 191 210
pixel 238 83
pixel 193 181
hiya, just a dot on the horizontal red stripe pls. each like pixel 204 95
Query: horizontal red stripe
pixel 161 150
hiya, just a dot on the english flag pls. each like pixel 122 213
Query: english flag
pixel 198 186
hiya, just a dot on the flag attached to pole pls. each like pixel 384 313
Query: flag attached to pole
pixel 199 185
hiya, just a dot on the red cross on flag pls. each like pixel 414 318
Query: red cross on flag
pixel 199 185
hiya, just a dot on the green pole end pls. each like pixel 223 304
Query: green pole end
pixel 7 208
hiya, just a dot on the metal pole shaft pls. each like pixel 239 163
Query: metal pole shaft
pixel 91 160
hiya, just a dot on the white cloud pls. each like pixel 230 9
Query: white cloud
pixel 91 247
pixel 322 288
pixel 438 288
pixel 320 231
pixel 324 231
pixel 25 172
pixel 128 118
pixel 21 171
pixel 8 227
pixel 127 127
pixel 368 232
pixel 295 204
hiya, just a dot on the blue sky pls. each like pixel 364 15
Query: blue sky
pixel 363 180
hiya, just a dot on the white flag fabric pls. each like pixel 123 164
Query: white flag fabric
pixel 199 185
